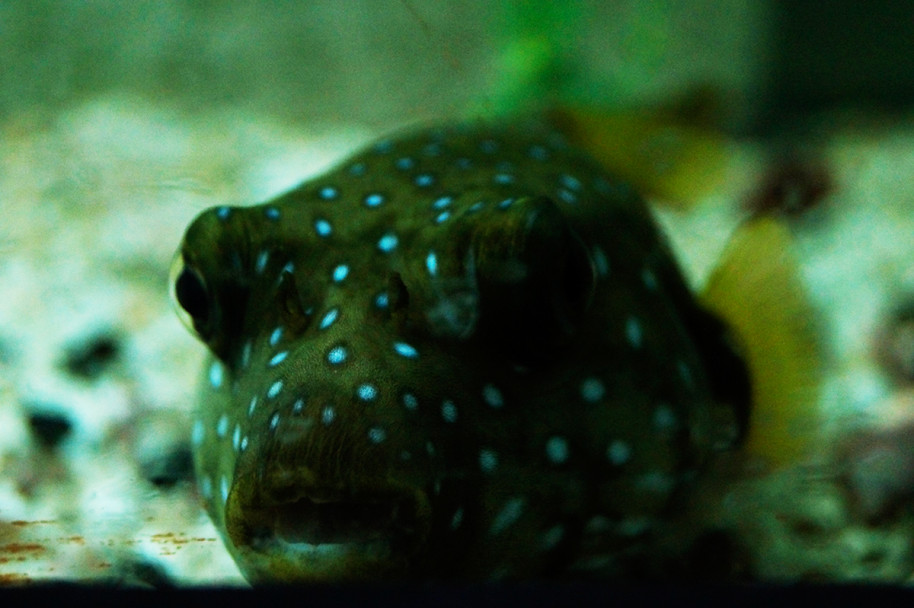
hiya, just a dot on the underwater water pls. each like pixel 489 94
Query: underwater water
pixel 119 124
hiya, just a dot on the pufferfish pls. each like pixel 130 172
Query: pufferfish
pixel 464 353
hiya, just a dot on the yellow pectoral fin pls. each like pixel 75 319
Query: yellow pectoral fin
pixel 758 292
pixel 657 154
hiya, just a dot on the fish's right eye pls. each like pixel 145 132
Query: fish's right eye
pixel 190 294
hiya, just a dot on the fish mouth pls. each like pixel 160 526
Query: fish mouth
pixel 335 535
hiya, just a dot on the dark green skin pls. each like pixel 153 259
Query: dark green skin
pixel 531 404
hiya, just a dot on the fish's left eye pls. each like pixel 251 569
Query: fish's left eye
pixel 189 294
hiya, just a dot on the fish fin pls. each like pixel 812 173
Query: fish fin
pixel 757 291
pixel 659 153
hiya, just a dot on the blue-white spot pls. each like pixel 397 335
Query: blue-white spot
pixel 278 358
pixel 357 169
pixel 649 280
pixel 236 438
pixel 506 203
pixel 198 433
pixel 388 242
pixel 509 514
pixel 216 374
pixel 298 406
pixel 442 201
pixel 367 392
pixel 322 227
pixel 600 262
pixel 405 350
pixel 206 487
pixel 274 389
pixel 384 146
pixel 327 415
pixel 570 182
pixel 381 301
pixel 618 452
pixel 223 212
pixel 329 318
pixel 664 418
pixel 224 488
pixel 456 519
pixel 340 272
pixel 222 425
pixel 489 146
pixel 538 152
pixel 274 421
pixel 503 179
pixel 271 213
pixel 492 396
pixel 423 180
pixel 431 263
pixel 276 336
pixel 488 460
pixel 405 163
pixel 557 450
pixel 442 217
pixel 410 402
pixel 337 355
pixel 374 200
pixel 477 206
pixel 252 406
pixel 328 193
pixel 449 411
pixel 592 390
pixel 567 196
pixel 633 332
pixel 376 434
pixel 244 443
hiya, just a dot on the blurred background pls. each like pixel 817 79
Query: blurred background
pixel 120 121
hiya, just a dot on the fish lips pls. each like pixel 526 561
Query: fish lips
pixel 321 533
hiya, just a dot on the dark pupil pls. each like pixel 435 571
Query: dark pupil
pixel 192 295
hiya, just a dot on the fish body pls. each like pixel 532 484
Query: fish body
pixel 465 353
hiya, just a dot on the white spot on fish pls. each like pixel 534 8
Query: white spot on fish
pixel 224 488
pixel 261 263
pixel 410 402
pixel 340 273
pixel 322 227
pixel 274 421
pixel 376 435
pixel 274 389
pixel 367 392
pixel 492 396
pixel 664 418
pixel 619 452
pixel 649 280
pixel 222 425
pixel 633 332
pixel 388 242
pixel 431 263
pixel 216 374
pixel 329 318
pixel 488 460
pixel 236 437
pixel 327 415
pixel 600 262
pixel 252 405
pixel 276 336
pixel 405 350
pixel 509 514
pixel 337 355
pixel 592 390
pixel 374 200
pixel 557 450
pixel 198 433
pixel 449 411
pixel 278 358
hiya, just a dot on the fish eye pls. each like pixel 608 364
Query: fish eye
pixel 189 294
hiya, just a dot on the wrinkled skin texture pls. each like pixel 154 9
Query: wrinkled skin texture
pixel 462 354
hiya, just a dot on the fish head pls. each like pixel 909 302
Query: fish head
pixel 454 387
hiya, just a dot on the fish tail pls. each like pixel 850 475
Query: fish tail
pixel 757 291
